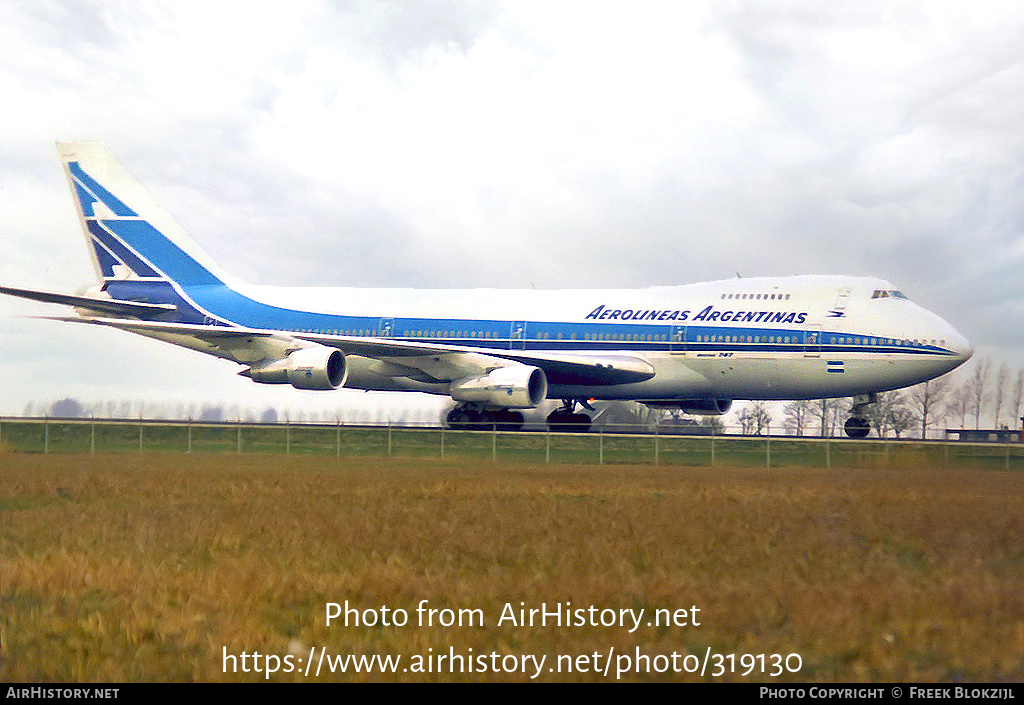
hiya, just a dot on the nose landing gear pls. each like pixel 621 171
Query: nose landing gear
pixel 858 425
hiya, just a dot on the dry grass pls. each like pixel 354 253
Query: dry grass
pixel 117 568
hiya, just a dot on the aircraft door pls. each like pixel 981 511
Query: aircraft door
pixel 678 338
pixel 517 336
pixel 386 328
pixel 839 307
pixel 812 340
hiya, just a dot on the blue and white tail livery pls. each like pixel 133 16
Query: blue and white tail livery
pixel 696 347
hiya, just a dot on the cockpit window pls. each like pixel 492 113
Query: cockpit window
pixel 886 293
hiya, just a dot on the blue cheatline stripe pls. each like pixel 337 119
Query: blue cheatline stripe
pixel 108 199
pixel 223 302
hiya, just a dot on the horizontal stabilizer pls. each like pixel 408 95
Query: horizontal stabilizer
pixel 105 306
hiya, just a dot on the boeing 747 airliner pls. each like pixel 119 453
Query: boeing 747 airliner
pixel 694 347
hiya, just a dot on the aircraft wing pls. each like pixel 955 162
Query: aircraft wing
pixel 560 368
pixel 440 362
pixel 104 306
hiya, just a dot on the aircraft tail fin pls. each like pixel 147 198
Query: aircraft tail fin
pixel 131 237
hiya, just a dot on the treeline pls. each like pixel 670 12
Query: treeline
pixel 980 396
pixel 69 408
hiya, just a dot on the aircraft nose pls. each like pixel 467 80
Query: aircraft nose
pixel 959 345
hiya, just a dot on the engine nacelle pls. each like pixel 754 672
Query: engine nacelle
pixel 698 407
pixel 316 367
pixel 511 387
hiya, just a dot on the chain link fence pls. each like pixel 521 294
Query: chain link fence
pixel 86 436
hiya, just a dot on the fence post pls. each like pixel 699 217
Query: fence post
pixel 547 446
pixel 92 437
pixel 238 449
pixel 712 448
pixel 140 435
pixel 337 444
pixel 494 442
pixel 656 437
pixel 189 437
pixel 389 438
pixel 287 437
pixel 600 448
pixel 442 443
pixel 768 451
pixel 46 436
pixel 828 454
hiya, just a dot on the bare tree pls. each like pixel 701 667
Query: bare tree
pixel 997 398
pixel 926 400
pixel 755 418
pixel 891 413
pixel 901 418
pixel 1018 397
pixel 879 413
pixel 978 386
pixel 828 412
pixel 960 403
pixel 797 416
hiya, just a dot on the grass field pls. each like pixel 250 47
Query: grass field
pixel 154 566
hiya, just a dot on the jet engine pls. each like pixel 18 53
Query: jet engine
pixel 706 407
pixel 699 407
pixel 510 387
pixel 315 367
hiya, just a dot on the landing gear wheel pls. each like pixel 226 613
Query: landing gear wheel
pixel 459 419
pixel 562 420
pixel 467 418
pixel 506 420
pixel 857 427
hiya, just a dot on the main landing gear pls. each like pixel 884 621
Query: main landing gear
pixel 470 417
pixel 858 426
pixel 564 418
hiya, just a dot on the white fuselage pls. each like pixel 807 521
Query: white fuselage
pixel 801 337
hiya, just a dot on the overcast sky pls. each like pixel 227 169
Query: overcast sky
pixel 548 144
